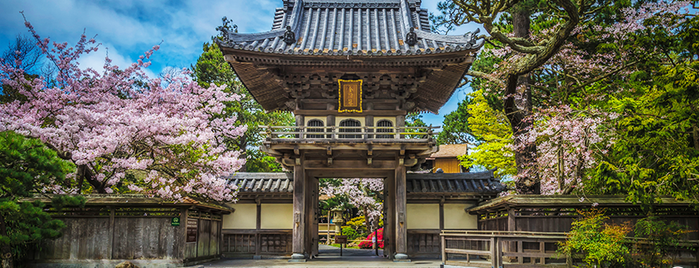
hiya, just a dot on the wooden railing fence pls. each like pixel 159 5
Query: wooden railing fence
pixel 525 249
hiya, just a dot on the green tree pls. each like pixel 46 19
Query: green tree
pixel 602 244
pixel 494 138
pixel 212 68
pixel 26 166
pixel 656 149
pixel 455 128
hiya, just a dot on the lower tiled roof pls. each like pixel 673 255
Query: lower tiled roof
pixel 477 183
pixel 258 182
pixel 472 183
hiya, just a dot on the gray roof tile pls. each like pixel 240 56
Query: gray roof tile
pixel 363 27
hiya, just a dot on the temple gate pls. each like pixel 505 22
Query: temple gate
pixel 350 72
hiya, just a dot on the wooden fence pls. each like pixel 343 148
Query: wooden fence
pixel 527 249
pixel 114 228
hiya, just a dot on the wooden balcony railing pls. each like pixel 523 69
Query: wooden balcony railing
pixel 349 134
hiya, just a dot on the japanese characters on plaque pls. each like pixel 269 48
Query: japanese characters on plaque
pixel 350 96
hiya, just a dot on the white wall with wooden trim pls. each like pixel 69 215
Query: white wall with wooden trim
pixel 423 216
pixel 456 218
pixel 244 217
pixel 276 216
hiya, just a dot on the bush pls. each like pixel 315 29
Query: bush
pixel 350 233
pixel 601 243
pixel 659 240
pixel 367 244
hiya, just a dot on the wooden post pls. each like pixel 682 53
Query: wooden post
pixel 368 123
pixel 441 214
pixel 511 227
pixel 300 122
pixel 316 212
pixel 401 211
pixel 258 224
pixel 183 224
pixel 493 253
pixel 444 252
pixel 330 122
pixel 389 233
pixel 298 237
pixel 111 233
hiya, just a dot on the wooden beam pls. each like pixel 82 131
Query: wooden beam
pixel 350 164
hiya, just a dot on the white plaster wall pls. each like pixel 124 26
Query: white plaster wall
pixel 456 218
pixel 244 217
pixel 422 216
pixel 277 216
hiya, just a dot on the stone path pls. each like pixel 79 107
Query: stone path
pixel 328 257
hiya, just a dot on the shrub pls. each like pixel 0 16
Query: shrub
pixel 602 244
pixel 350 233
pixel 658 240
pixel 367 244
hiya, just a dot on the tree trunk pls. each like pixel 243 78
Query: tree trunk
pixel 6 250
pixel 518 111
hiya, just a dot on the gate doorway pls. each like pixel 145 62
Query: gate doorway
pixel 350 218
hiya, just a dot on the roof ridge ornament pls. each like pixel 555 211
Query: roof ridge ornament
pixel 289 36
pixel 472 36
pixel 411 37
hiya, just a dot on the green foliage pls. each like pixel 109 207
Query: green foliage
pixel 491 128
pixel 455 128
pixel 350 233
pixel 212 68
pixel 358 224
pixel 602 244
pixel 657 133
pixel 658 239
pixel 27 165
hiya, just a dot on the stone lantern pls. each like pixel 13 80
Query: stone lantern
pixel 337 219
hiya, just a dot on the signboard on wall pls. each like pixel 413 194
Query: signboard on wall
pixel 192 226
pixel 350 96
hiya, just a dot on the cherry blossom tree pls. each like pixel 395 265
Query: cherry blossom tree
pixel 124 131
pixel 361 194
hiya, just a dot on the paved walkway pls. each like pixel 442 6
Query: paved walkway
pixel 328 257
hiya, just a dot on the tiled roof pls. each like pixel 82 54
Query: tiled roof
pixel 478 183
pixel 253 182
pixel 473 183
pixel 363 27
pixel 451 150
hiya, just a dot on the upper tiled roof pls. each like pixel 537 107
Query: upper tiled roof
pixel 363 27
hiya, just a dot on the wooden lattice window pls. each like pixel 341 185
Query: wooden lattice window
pixel 384 126
pixel 350 123
pixel 315 123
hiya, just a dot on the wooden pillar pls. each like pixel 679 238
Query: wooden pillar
pixel 369 122
pixel 299 123
pixel 311 225
pixel 441 214
pixel 314 203
pixel 390 220
pixel 112 229
pixel 401 211
pixel 258 224
pixel 298 237
pixel 330 122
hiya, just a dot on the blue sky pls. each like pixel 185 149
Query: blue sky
pixel 127 28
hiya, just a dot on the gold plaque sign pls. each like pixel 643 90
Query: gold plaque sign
pixel 350 96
